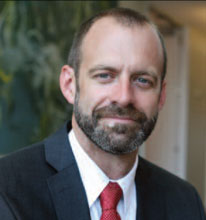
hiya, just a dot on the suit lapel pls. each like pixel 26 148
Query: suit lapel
pixel 150 199
pixel 68 194
pixel 66 187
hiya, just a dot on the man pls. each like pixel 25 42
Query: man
pixel 90 169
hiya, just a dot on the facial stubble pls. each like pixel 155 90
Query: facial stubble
pixel 120 138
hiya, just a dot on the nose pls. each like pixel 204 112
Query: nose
pixel 123 93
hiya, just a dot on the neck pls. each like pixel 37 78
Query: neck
pixel 114 166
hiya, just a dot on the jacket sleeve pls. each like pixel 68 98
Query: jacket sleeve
pixel 5 211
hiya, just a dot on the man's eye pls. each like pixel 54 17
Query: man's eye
pixel 143 82
pixel 104 75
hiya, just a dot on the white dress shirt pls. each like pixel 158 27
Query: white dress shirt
pixel 95 180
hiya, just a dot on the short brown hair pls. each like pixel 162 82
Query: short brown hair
pixel 125 17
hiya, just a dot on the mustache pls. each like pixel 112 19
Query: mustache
pixel 114 110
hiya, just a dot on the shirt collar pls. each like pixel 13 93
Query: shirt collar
pixel 126 183
pixel 94 179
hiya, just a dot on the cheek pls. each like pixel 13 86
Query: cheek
pixel 84 103
pixel 148 104
pixel 91 98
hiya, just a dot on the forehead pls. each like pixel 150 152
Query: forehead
pixel 108 39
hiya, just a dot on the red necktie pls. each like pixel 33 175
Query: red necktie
pixel 109 199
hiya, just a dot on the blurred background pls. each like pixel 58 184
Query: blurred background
pixel 35 37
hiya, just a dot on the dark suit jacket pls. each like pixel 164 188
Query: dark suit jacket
pixel 42 182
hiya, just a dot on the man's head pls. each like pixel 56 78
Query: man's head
pixel 117 84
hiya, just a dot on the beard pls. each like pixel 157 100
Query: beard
pixel 116 138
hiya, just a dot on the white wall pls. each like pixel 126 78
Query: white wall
pixel 196 172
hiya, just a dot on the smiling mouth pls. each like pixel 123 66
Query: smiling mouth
pixel 118 115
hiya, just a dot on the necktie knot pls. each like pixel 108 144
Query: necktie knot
pixel 109 199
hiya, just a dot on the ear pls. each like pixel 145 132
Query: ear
pixel 162 97
pixel 67 83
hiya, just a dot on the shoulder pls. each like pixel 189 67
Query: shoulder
pixel 160 177
pixel 33 157
pixel 160 188
pixel 168 186
pixel 18 158
pixel 33 162
pixel 23 183
pixel 21 164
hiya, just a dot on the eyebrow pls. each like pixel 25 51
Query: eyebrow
pixel 147 73
pixel 102 67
